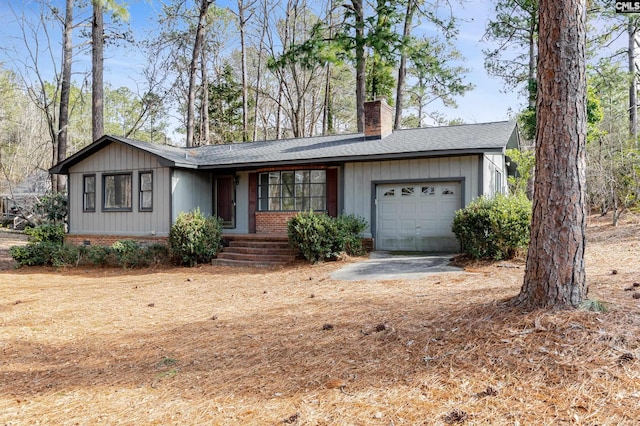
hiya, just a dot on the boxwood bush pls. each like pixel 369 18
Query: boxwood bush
pixel 320 237
pixel 194 238
pixel 47 253
pixel 494 228
pixel 45 247
pixel 48 232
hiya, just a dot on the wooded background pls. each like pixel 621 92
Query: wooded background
pixel 265 69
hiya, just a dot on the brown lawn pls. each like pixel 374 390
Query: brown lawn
pixel 216 345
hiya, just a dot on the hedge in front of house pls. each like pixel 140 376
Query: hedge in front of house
pixel 320 237
pixel 125 253
pixel 494 228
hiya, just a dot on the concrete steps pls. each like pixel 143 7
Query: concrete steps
pixel 256 250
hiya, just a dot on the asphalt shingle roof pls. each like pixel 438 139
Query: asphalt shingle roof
pixel 422 142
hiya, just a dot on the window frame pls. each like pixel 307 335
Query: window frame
pixel 498 182
pixel 288 197
pixel 105 176
pixel 141 191
pixel 86 209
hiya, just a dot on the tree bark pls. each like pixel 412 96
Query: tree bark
pixel 263 31
pixel 531 72
pixel 358 8
pixel 402 68
pixel 65 90
pixel 327 110
pixel 633 83
pixel 97 71
pixel 243 54
pixel 205 133
pixel 327 105
pixel 555 272
pixel 193 68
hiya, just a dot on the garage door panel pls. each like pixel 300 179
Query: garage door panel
pixel 428 226
pixel 407 208
pixel 387 208
pixel 430 209
pixel 407 226
pixel 390 225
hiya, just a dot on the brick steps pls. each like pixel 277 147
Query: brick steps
pixel 256 250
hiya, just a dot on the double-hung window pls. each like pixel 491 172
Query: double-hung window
pixel 116 192
pixel 89 193
pixel 146 191
pixel 292 190
pixel 498 188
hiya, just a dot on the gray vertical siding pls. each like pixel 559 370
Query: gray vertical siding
pixel 359 176
pixel 191 189
pixel 117 158
pixel 493 162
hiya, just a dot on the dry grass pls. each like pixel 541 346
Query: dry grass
pixel 215 345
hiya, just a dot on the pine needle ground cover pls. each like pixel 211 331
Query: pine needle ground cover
pixel 215 345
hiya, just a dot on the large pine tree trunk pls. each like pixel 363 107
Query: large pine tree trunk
pixel 243 55
pixel 531 73
pixel 97 71
pixel 263 31
pixel 193 67
pixel 402 68
pixel 555 273
pixel 633 83
pixel 65 90
pixel 205 132
pixel 358 7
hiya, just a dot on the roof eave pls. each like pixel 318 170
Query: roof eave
pixel 63 167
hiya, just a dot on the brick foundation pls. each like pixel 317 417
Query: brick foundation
pixel 368 244
pixel 273 222
pixel 108 240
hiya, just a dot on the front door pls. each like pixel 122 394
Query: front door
pixel 225 197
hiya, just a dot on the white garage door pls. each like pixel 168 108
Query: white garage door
pixel 417 216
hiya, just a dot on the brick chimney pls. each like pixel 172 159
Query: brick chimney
pixel 378 119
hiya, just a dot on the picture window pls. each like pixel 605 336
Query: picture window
pixel 292 190
pixel 116 192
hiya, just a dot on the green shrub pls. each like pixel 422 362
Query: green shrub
pixel 350 229
pixel 194 238
pixel 100 255
pixel 67 255
pixel 314 234
pixel 29 255
pixel 128 253
pixel 49 232
pixel 52 207
pixel 320 237
pixel 46 253
pixel 125 253
pixel 156 253
pixel 493 228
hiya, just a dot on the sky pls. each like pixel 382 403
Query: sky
pixel 487 102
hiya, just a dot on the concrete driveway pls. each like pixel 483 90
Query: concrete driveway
pixel 383 265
